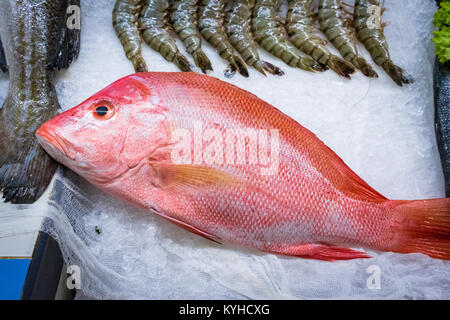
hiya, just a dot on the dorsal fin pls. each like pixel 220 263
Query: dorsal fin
pixel 70 45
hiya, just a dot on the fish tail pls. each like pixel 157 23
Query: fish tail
pixel 396 73
pixel 341 67
pixel 182 62
pixel 422 226
pixel 202 61
pixel 25 168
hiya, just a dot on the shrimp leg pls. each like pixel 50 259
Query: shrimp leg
pixel 152 21
pixel 124 23
pixel 238 30
pixel 369 30
pixel 334 25
pixel 211 25
pixel 299 26
pixel 269 35
pixel 183 18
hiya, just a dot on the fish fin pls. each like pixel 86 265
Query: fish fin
pixel 353 184
pixel 202 61
pixel 191 176
pixel 70 45
pixel 421 226
pixel 24 173
pixel 321 252
pixel 396 73
pixel 341 67
pixel 191 228
pixel 3 64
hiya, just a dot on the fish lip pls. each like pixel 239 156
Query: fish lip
pixel 55 141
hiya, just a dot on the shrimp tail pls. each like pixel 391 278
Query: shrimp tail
pixel 271 68
pixel 139 63
pixel 202 61
pixel 396 73
pixel 365 67
pixel 258 65
pixel 236 60
pixel 312 66
pixel 182 62
pixel 341 67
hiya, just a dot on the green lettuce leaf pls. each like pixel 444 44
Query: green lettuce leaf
pixel 441 37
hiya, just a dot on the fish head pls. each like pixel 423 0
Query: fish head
pixel 108 134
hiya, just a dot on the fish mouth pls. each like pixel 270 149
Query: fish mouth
pixel 53 144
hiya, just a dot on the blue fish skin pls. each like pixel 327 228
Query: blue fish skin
pixel 442 118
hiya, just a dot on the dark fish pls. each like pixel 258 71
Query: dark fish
pixel 442 117
pixel 36 41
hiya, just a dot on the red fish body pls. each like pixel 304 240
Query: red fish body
pixel 220 162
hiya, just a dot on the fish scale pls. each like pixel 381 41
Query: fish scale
pixel 313 206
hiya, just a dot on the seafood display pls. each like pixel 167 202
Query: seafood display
pixel 238 31
pixel 184 20
pixel 303 200
pixel 152 22
pixel 299 26
pixel 235 33
pixel 336 27
pixel 125 25
pixel 211 25
pixel 267 32
pixel 36 41
pixel 367 21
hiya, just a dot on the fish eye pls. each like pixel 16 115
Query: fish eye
pixel 103 111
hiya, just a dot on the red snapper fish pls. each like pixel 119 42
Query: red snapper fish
pixel 220 162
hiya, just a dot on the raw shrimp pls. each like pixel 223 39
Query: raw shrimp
pixel 270 36
pixel 238 30
pixel 337 29
pixel 211 25
pixel 299 26
pixel 367 21
pixel 183 18
pixel 125 25
pixel 152 21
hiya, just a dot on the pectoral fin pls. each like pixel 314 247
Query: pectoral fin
pixel 192 176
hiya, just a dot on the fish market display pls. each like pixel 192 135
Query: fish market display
pixel 336 27
pixel 152 22
pixel 294 197
pixel 269 35
pixel 211 25
pixel 37 41
pixel 184 20
pixel 367 21
pixel 238 31
pixel 125 25
pixel 299 26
